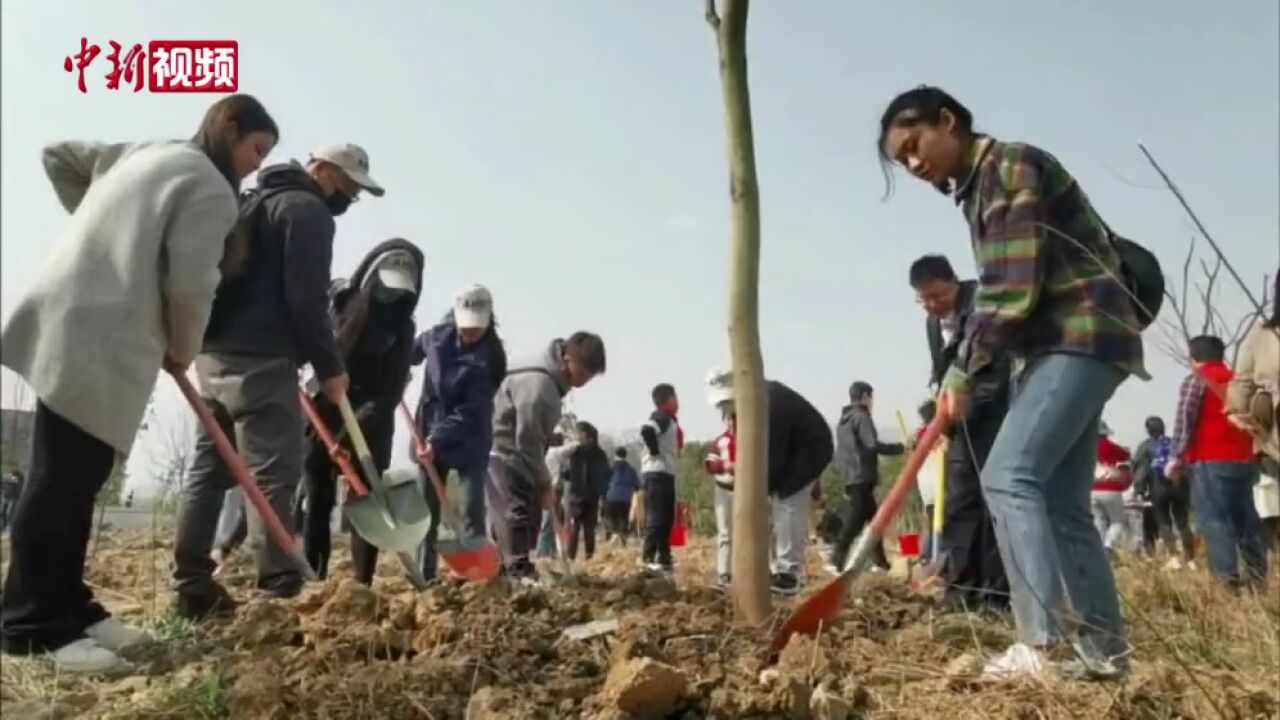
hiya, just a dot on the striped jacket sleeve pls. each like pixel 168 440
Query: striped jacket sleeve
pixel 1010 250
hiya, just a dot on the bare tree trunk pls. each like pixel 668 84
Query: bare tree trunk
pixel 750 497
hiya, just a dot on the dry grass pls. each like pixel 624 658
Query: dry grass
pixel 1199 651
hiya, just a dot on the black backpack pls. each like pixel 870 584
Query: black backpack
pixel 1142 276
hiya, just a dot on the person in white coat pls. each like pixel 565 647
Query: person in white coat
pixel 124 292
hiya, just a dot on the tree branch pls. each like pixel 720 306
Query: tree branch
pixel 713 18
pixel 1173 188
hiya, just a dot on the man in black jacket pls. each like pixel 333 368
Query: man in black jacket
pixel 974 572
pixel 859 463
pixel 270 316
pixel 800 448
pixel 588 476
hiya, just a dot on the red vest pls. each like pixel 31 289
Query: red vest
pixel 1215 439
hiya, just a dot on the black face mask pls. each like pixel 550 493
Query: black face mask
pixel 338 202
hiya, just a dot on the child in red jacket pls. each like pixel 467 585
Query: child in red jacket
pixel 1111 478
pixel 721 457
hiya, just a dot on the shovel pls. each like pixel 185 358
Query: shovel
pixel 566 575
pixel 368 512
pixel 931 571
pixel 472 557
pixel 244 477
pixel 822 607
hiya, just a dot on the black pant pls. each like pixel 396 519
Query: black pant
pixel 524 520
pixel 862 507
pixel 660 517
pixel 974 571
pixel 1150 529
pixel 583 516
pixel 46 604
pixel 617 514
pixel 321 475
pixel 1171 510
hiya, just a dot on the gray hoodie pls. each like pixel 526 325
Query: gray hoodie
pixel 526 411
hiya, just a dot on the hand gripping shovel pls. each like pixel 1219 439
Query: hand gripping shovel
pixel 244 477
pixel 472 557
pixel 368 512
pixel 822 607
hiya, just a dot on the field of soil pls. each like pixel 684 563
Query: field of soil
pixel 487 651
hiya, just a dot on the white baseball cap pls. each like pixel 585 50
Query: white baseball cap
pixel 396 269
pixel 352 160
pixel 719 387
pixel 473 307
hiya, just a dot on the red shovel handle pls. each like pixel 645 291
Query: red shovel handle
pixel 240 470
pixel 906 481
pixel 336 451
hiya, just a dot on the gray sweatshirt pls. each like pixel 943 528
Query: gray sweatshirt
pixel 526 411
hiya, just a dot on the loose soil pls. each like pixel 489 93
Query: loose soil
pixel 489 651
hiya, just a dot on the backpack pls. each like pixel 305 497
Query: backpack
pixel 1142 276
pixel 237 255
pixel 1160 455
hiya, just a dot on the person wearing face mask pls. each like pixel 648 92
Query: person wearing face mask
pixel 270 317
pixel 126 291
pixel 373 317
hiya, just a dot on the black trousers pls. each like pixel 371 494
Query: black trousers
pixel 660 517
pixel 321 475
pixel 862 507
pixel 974 571
pixel 524 521
pixel 584 514
pixel 46 604
pixel 1171 509
pixel 617 515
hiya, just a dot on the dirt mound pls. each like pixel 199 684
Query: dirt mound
pixel 341 650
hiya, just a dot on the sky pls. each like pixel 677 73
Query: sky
pixel 571 156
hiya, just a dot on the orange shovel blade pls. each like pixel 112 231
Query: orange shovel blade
pixel 819 610
pixel 473 563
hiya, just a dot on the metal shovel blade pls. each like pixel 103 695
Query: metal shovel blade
pixel 367 516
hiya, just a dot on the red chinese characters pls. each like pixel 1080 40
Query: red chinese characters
pixel 82 59
pixel 164 66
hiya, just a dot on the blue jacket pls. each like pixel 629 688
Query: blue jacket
pixel 455 410
pixel 623 483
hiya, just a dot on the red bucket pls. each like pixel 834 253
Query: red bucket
pixel 909 545
pixel 679 530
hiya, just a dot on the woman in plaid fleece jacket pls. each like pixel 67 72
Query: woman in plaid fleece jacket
pixel 1049 295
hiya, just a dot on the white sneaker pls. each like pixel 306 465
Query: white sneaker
pixel 1019 659
pixel 1191 565
pixel 85 656
pixel 830 568
pixel 113 635
pixel 1173 564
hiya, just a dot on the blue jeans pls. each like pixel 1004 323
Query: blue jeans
pixel 1037 482
pixel 1222 500
pixel 472 515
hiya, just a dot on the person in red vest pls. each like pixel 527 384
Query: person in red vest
pixel 1222 469
pixel 1111 478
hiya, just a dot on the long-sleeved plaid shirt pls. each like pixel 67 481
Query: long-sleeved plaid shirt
pixel 1190 398
pixel 1048 271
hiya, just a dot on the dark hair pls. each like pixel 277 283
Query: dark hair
pixel 1155 426
pixel 1204 348
pixel 921 104
pixel 243 113
pixel 589 430
pixel 859 390
pixel 662 393
pixel 588 349
pixel 928 409
pixel 1274 320
pixel 621 453
pixel 929 268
